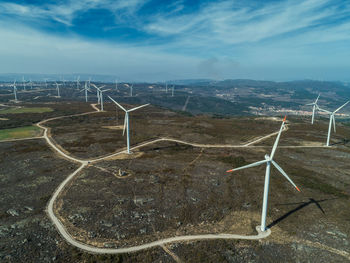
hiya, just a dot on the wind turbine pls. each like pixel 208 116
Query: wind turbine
pixel 78 83
pixel 314 107
pixel 172 91
pixel 116 84
pixel 31 84
pixel 58 89
pixel 332 119
pixel 99 94
pixel 101 97
pixel 24 83
pixel 131 89
pixel 166 87
pixel 15 90
pixel 268 160
pixel 86 90
pixel 126 121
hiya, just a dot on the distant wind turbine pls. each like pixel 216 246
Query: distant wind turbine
pixel 24 83
pixel 314 108
pixel 100 94
pixel 126 121
pixel 116 84
pixel 86 89
pixel 332 119
pixel 268 160
pixel 172 91
pixel 15 90
pixel 78 83
pixel 58 89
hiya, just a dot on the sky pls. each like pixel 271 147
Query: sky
pixel 144 40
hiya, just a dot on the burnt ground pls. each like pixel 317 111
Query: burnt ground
pixel 178 190
pixel 29 173
pixel 173 189
pixel 87 136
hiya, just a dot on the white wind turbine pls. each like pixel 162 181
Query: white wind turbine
pixel 126 121
pixel 332 119
pixel 58 89
pixel 166 87
pixel 15 90
pixel 314 108
pixel 116 84
pixel 131 89
pixel 99 94
pixel 45 83
pixel 86 89
pixel 78 83
pixel 268 160
pixel 24 83
pixel 172 91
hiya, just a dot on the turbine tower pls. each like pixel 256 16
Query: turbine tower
pixel 314 108
pixel 58 89
pixel 172 91
pixel 126 121
pixel 332 120
pixel 116 84
pixel 268 160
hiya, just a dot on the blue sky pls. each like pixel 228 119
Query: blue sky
pixel 161 40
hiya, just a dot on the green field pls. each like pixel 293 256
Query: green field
pixel 26 110
pixel 18 133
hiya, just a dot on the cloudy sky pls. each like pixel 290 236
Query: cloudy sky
pixel 162 40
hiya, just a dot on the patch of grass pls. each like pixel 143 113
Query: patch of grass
pixel 18 133
pixel 26 110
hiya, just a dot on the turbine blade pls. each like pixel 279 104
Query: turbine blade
pixel 313 114
pixel 309 104
pixel 120 106
pixel 324 110
pixel 333 122
pixel 138 107
pixel 126 116
pixel 247 166
pixel 284 174
pixel 278 138
pixel 341 106
pixel 317 98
